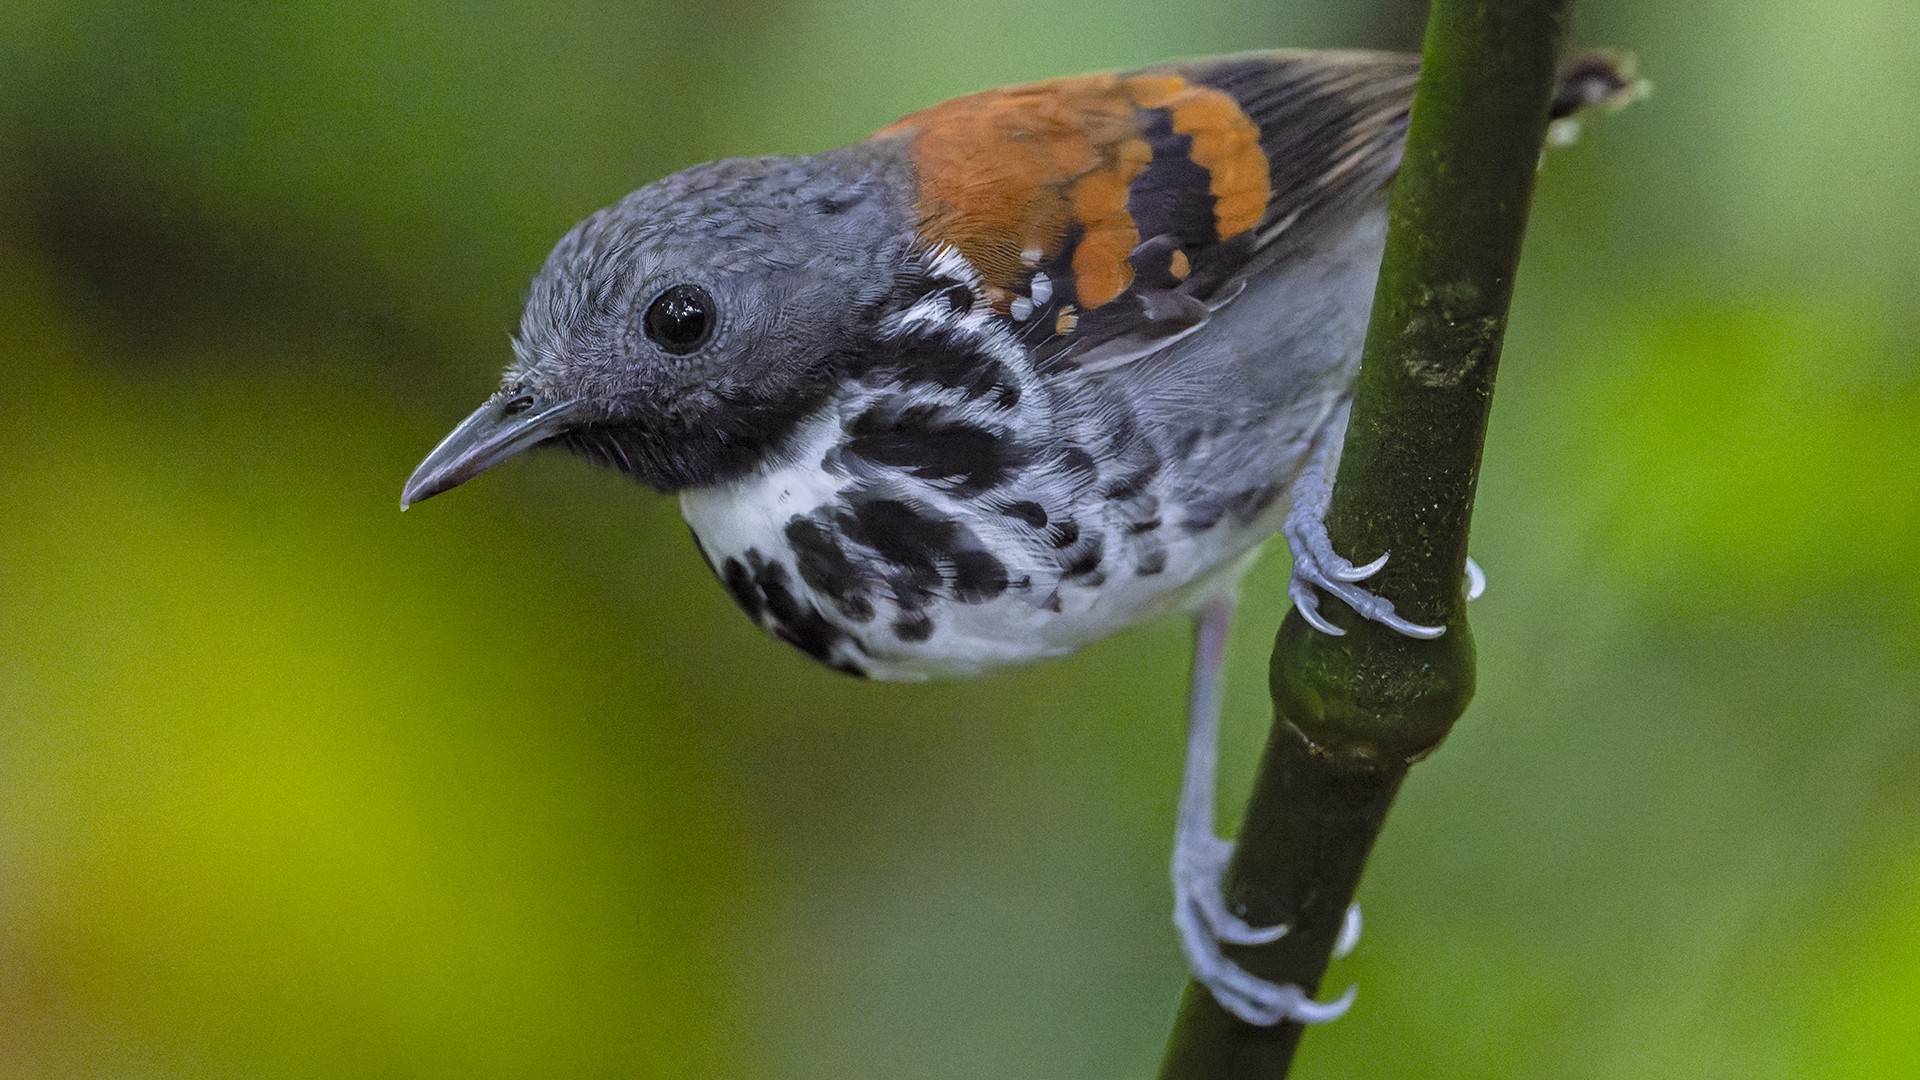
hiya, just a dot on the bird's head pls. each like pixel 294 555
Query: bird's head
pixel 681 333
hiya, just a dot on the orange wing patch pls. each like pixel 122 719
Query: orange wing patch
pixel 1008 176
pixel 1100 267
pixel 1225 143
pixel 1004 174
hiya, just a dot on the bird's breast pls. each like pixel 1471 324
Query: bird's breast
pixel 954 542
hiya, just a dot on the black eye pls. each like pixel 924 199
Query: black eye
pixel 680 320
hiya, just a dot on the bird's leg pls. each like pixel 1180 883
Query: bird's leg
pixel 1200 859
pixel 1315 563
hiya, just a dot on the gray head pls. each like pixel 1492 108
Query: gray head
pixel 680 333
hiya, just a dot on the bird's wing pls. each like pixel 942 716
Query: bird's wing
pixel 1109 215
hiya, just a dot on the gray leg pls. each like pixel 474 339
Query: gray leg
pixel 1200 859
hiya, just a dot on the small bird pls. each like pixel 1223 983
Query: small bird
pixel 1014 373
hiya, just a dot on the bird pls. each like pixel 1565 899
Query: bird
pixel 1014 373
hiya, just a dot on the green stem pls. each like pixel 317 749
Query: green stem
pixel 1352 713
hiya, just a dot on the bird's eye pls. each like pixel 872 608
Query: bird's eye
pixel 680 319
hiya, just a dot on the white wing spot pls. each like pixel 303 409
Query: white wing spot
pixel 944 263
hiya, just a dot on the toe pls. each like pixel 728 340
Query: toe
pixel 1231 929
pixel 1308 605
pixel 1378 609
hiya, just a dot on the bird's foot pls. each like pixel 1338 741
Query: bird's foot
pixel 1317 566
pixel 1200 913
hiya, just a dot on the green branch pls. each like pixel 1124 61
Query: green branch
pixel 1352 713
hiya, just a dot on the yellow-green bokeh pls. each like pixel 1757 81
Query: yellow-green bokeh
pixel 294 786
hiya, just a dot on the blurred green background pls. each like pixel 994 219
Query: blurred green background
pixel 294 786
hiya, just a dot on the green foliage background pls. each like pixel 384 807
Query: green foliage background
pixel 294 786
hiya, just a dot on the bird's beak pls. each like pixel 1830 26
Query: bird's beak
pixel 508 423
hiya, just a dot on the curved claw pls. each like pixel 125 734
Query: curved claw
pixel 1343 945
pixel 1351 572
pixel 1309 1011
pixel 1476 580
pixel 1230 929
pixel 1305 602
